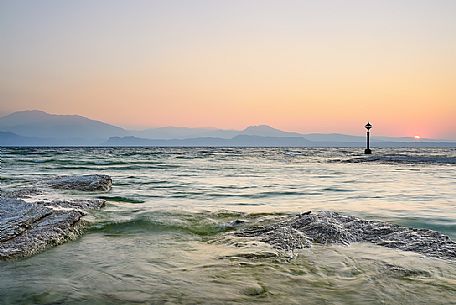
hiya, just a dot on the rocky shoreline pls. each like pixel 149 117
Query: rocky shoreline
pixel 27 228
pixel 326 227
pixel 32 226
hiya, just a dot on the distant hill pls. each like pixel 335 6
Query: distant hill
pixel 240 140
pixel 183 133
pixel 333 137
pixel 12 139
pixel 38 128
pixel 44 125
pixel 268 131
pixel 188 133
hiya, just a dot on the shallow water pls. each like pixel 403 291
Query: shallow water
pixel 162 236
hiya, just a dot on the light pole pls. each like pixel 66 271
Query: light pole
pixel 368 150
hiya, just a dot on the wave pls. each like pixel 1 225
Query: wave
pixel 74 163
pixel 335 189
pixel 270 194
pixel 68 161
pixel 121 199
pixel 281 230
pixel 120 168
pixel 200 227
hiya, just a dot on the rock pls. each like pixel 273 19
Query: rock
pixel 253 290
pixel 280 237
pixel 89 183
pixel 29 228
pixel 75 204
pixel 254 255
pixel 233 224
pixel 402 272
pixel 326 227
pixel 16 216
pixel 20 193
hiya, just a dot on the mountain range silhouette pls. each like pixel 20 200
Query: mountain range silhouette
pixel 38 128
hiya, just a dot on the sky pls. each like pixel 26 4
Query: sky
pixel 307 66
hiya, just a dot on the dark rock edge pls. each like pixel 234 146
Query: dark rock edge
pixel 326 227
pixel 28 228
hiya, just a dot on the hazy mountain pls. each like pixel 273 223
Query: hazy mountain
pixel 240 140
pixel 268 131
pixel 188 133
pixel 333 137
pixel 41 124
pixel 11 139
pixel 270 141
pixel 183 133
pixel 135 141
pixel 38 128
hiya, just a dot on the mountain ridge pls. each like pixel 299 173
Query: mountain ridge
pixel 36 123
pixel 36 127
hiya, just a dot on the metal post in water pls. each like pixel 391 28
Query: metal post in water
pixel 368 150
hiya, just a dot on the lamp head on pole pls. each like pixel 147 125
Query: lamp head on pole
pixel 368 126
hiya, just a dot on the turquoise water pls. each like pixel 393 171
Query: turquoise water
pixel 162 237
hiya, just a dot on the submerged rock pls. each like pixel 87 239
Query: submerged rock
pixel 21 193
pixel 82 183
pixel 29 228
pixel 326 227
pixel 233 224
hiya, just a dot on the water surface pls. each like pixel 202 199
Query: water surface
pixel 161 237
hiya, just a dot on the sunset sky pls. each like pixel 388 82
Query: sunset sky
pixel 308 66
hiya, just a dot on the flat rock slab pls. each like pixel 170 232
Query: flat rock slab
pixel 325 227
pixel 89 183
pixel 16 216
pixel 21 193
pixel 29 228
pixel 75 204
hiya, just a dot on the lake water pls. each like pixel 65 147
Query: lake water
pixel 161 237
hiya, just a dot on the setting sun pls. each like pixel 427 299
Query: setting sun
pixel 417 137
